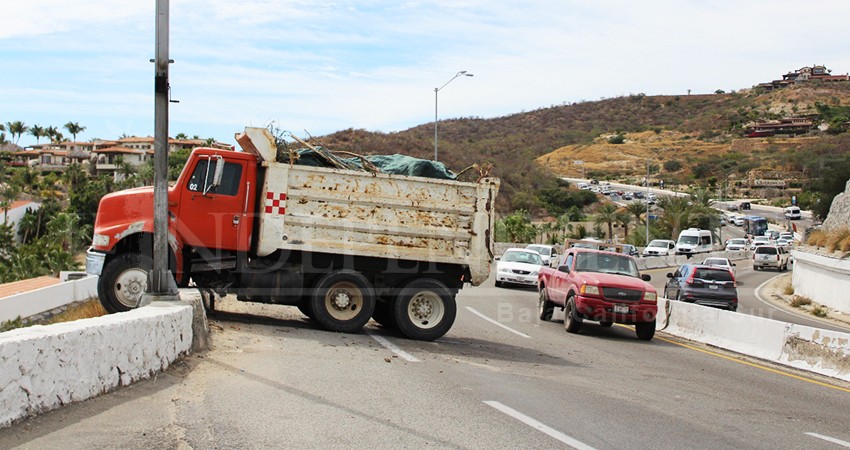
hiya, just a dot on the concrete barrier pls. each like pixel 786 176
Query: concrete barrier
pixel 45 367
pixel 820 351
pixel 820 277
pixel 30 303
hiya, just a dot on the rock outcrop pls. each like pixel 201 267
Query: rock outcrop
pixel 839 212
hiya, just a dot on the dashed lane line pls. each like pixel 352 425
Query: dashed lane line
pixel 518 333
pixel 574 443
pixel 393 348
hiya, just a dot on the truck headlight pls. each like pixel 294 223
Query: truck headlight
pixel 589 289
pixel 650 296
pixel 100 240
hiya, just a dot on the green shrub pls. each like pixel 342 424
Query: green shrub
pixel 820 311
pixel 799 301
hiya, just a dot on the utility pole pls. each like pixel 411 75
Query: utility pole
pixel 646 199
pixel 162 285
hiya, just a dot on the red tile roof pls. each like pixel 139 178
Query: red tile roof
pixel 17 287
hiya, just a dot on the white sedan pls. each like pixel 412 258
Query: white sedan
pixel 518 266
pixel 720 262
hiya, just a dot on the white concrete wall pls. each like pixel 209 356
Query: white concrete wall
pixel 34 302
pixel 45 367
pixel 823 279
pixel 820 351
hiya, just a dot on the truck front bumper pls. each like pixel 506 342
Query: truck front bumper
pixel 619 312
pixel 94 262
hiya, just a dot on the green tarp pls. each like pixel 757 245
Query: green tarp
pixel 392 164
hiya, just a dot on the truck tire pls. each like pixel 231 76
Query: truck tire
pixel 645 330
pixel 545 308
pixel 424 309
pixel 123 281
pixel 384 314
pixel 572 322
pixel 342 301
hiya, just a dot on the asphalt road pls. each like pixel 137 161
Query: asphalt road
pixel 499 379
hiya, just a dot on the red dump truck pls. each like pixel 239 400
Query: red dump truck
pixel 341 245
pixel 604 286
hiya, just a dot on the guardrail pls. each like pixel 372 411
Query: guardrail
pixel 824 279
pixel 45 367
pixel 812 349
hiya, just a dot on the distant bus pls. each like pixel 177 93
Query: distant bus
pixel 755 225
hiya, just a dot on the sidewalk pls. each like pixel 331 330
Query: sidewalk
pixel 774 291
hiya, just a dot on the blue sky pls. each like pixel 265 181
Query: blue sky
pixel 324 66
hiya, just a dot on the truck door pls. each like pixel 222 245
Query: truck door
pixel 211 216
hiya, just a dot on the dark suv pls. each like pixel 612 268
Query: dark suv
pixel 703 285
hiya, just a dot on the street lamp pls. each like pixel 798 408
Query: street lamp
pixel 436 119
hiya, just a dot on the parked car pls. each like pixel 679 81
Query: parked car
pixel 737 244
pixel 628 196
pixel 761 240
pixel 771 256
pixel 518 266
pixel 630 250
pixel 548 253
pixel 745 205
pixel 660 247
pixel 720 262
pixel 703 285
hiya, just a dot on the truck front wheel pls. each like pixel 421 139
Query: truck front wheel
pixel 123 281
pixel 645 330
pixel 342 301
pixel 572 322
pixel 425 309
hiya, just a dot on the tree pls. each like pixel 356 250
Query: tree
pixel 181 136
pixel 28 226
pixel 676 214
pixel 17 128
pixel 624 219
pixel 74 128
pixel 65 228
pixel 637 209
pixel 8 194
pixel 607 214
pixel 37 132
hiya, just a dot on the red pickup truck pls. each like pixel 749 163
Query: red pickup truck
pixel 598 285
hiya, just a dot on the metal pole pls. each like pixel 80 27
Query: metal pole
pixel 436 119
pixel 647 203
pixel 162 283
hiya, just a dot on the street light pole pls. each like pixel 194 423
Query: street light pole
pixel 646 199
pixel 436 117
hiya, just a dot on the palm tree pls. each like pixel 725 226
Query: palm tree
pixel 74 176
pixel 8 195
pixel 74 128
pixel 27 226
pixel 17 128
pixel 637 209
pixel 181 136
pixel 37 131
pixel 676 213
pixel 607 214
pixel 624 218
pixel 65 229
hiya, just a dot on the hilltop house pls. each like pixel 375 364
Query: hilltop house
pixel 802 75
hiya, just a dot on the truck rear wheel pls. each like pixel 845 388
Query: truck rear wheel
pixel 425 309
pixel 342 301
pixel 572 322
pixel 123 281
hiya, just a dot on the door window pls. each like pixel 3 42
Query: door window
pixel 202 176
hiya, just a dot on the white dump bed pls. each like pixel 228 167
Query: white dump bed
pixel 346 212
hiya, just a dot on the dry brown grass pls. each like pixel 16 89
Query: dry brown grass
pixel 789 289
pixel 799 301
pixel 836 240
pixel 88 309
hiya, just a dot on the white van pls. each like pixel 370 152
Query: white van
pixel 793 213
pixel 694 240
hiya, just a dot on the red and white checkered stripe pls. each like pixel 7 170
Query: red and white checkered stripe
pixel 275 203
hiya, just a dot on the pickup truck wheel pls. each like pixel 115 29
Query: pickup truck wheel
pixel 645 330
pixel 545 308
pixel 123 281
pixel 424 309
pixel 572 322
pixel 384 314
pixel 342 301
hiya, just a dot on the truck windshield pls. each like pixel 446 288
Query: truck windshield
pixel 605 263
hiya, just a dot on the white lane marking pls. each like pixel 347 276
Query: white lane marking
pixel 830 439
pixel 473 311
pixel 539 426
pixel 393 348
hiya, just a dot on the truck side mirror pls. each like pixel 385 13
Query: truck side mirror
pixel 217 175
pixel 565 269
pixel 646 277
pixel 669 275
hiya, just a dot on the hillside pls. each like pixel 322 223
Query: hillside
pixel 693 129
